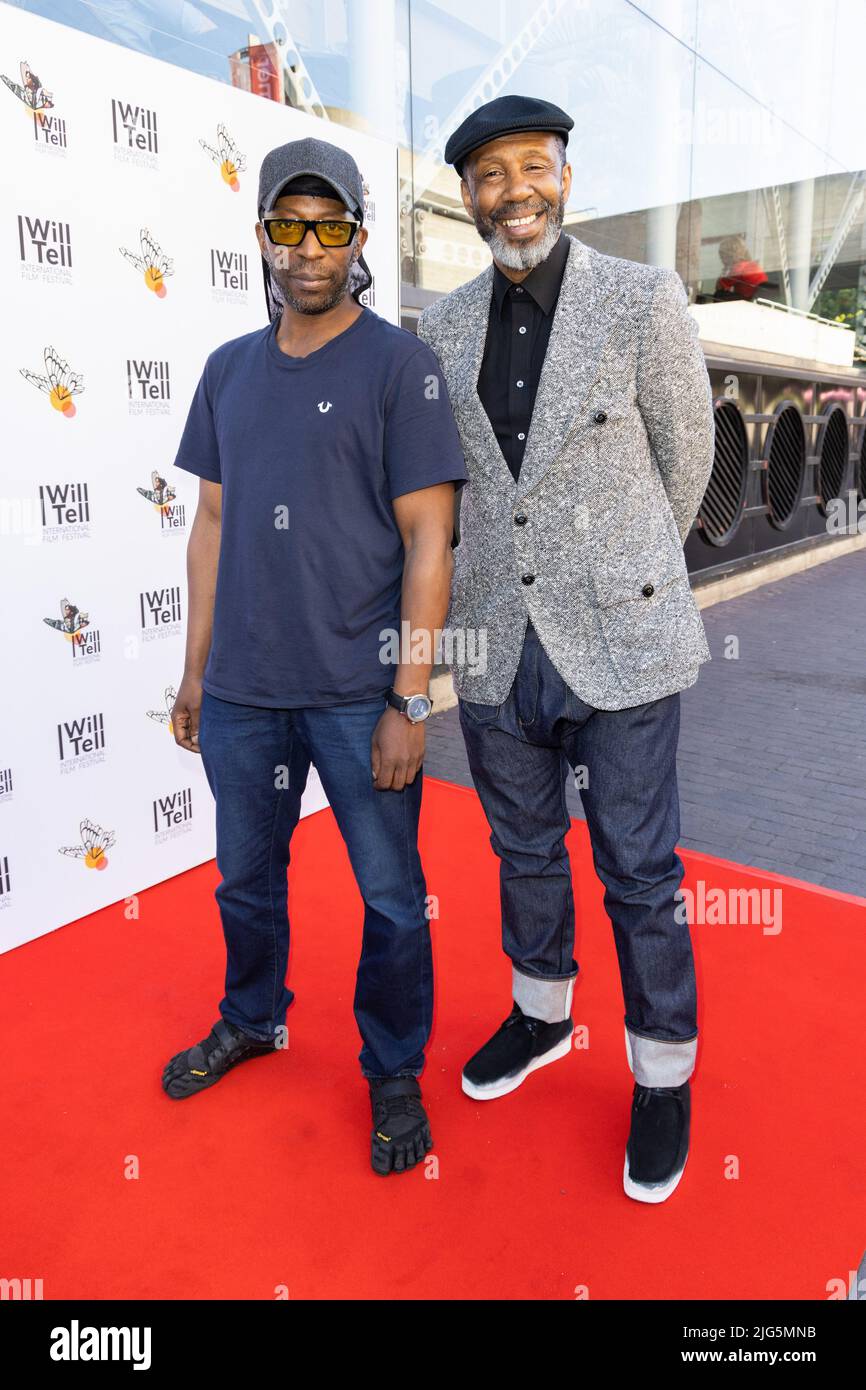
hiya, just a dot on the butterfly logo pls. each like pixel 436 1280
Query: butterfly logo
pixel 153 264
pixel 160 493
pixel 71 621
pixel 94 842
pixel 227 155
pixel 58 383
pixel 30 90
pixel 163 716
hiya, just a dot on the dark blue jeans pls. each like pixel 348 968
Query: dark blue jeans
pixel 519 754
pixel 256 761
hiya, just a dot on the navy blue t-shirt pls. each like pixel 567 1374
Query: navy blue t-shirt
pixel 310 452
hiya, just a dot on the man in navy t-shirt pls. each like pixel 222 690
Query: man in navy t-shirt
pixel 328 458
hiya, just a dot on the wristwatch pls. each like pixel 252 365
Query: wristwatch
pixel 415 707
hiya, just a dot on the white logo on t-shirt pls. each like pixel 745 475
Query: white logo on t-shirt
pixel 324 407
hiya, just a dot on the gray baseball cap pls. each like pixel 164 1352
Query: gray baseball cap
pixel 321 160
pixel 315 157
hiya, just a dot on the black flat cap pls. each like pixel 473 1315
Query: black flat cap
pixel 504 116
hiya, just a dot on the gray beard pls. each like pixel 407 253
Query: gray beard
pixel 301 308
pixel 516 256
pixel 285 296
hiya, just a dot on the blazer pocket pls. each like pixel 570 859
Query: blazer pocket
pixel 648 621
pixel 601 415
pixel 613 404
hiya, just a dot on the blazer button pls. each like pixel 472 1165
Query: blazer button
pixel 600 416
pixel 521 519
pixel 529 579
pixel 648 590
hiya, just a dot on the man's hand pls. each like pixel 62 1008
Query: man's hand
pixel 185 714
pixel 396 751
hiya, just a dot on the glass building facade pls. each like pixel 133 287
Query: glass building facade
pixel 721 138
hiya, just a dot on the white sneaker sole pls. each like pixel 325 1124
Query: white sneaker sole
pixel 657 1193
pixel 502 1088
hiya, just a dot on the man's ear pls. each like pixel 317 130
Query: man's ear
pixel 466 195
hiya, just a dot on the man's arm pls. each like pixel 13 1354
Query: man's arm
pixel 202 556
pixel 425 519
pixel 423 332
pixel 675 400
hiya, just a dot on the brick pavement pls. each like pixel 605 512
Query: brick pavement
pixel 772 753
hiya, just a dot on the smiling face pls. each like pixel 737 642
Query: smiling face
pixel 312 278
pixel 515 188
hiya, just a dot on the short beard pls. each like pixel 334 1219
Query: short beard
pixel 279 279
pixel 516 255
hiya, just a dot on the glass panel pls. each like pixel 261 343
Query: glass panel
pixel 719 137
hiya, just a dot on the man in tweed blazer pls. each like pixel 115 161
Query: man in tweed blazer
pixel 585 413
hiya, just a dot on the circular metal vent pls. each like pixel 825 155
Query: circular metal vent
pixel 725 498
pixel 783 478
pixel 832 449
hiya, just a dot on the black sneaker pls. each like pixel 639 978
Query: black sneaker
pixel 521 1045
pixel 658 1144
pixel 401 1135
pixel 207 1062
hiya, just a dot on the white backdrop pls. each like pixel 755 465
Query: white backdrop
pixel 110 177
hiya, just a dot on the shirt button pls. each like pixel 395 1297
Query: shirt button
pixel 521 330
pixel 520 383
pixel 600 416
pixel 521 436
pixel 528 578
pixel 521 520
pixel 648 590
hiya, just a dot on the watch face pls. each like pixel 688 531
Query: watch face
pixel 418 707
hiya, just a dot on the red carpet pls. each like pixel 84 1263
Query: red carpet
pixel 264 1181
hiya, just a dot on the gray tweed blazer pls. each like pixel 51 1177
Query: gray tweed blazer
pixel 588 543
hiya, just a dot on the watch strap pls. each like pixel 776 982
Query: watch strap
pixel 401 702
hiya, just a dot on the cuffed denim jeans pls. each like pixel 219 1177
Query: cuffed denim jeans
pixel 256 761
pixel 519 755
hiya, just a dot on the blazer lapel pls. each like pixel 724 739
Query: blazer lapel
pixel 578 336
pixel 475 427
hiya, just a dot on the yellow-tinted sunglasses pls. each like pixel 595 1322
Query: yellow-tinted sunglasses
pixel 290 231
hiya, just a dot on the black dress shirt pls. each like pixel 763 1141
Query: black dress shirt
pixel 518 331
